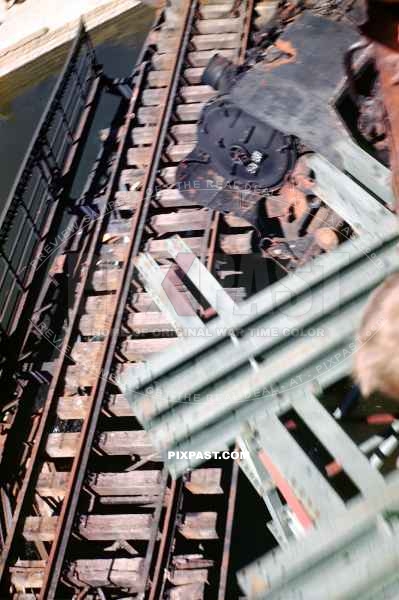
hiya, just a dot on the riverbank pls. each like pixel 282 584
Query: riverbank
pixel 35 27
pixel 24 93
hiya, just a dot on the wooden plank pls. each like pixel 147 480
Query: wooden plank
pixel 119 406
pixel 118 226
pixel 40 529
pixel 216 11
pixel 164 286
pixel 52 485
pixel 125 443
pixel 201 58
pixel 159 248
pixel 88 353
pixel 205 481
pixel 176 152
pixel 27 574
pixel 189 112
pixel 163 61
pixel 219 26
pixel 109 572
pixel 130 483
pixel 193 75
pixel 132 177
pixel 149 322
pixel 102 304
pixel 143 349
pixel 185 132
pixel 230 3
pixel 143 301
pixel 158 79
pixel 92 324
pixel 199 526
pixel 216 41
pixel 192 591
pixel 166 42
pixel 184 220
pixel 106 280
pixel 139 156
pixel 172 198
pixel 128 368
pixel 116 527
pixel 143 135
pixel 196 93
pixel 168 175
pixel 72 407
pixel 62 445
pixel 127 200
pixel 187 576
pixel 236 243
pixel 113 253
pixel 78 376
pixel 153 96
pixel 191 561
pixel 145 500
pixel 93 527
pixel 235 222
pixel 95 324
pixel 148 115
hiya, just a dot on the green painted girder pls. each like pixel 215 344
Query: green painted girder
pixel 299 330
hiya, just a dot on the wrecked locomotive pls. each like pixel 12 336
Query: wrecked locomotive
pixel 311 91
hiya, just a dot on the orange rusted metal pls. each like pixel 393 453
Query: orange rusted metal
pixel 293 502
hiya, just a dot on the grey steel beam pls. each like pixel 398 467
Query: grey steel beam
pixel 161 289
pixel 202 279
pixel 348 199
pixel 338 443
pixel 319 499
pixel 199 384
pixel 273 298
pixel 355 558
pixel 366 169
pixel 265 487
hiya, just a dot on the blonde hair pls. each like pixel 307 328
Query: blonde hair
pixel 376 365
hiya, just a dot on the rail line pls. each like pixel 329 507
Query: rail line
pixel 86 438
pixel 96 515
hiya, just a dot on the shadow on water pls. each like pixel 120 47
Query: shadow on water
pixel 24 93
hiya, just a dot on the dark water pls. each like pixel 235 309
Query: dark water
pixel 24 93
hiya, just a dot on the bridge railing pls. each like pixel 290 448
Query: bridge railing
pixel 32 203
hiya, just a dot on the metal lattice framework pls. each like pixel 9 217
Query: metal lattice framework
pixel 238 380
pixel 199 394
pixel 44 174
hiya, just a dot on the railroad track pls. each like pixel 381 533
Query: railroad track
pixel 95 514
pixel 96 505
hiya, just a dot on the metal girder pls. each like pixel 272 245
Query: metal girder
pixel 348 199
pixel 356 557
pixel 276 455
pixel 162 288
pixel 205 386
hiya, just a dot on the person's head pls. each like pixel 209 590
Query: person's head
pixel 376 365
